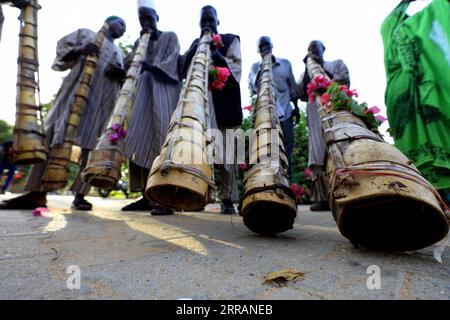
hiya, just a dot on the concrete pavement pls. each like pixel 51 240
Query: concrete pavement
pixel 197 256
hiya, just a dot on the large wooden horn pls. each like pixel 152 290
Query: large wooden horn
pixel 57 172
pixel 105 162
pixel 268 205
pixel 28 146
pixel 379 199
pixel 181 176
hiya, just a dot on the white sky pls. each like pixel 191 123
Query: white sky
pixel 350 30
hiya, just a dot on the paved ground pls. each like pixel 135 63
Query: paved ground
pixel 196 256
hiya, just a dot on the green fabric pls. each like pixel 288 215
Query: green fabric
pixel 417 59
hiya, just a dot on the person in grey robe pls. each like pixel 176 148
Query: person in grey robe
pixel 71 52
pixel 285 91
pixel 338 71
pixel 225 107
pixel 16 3
pixel 157 96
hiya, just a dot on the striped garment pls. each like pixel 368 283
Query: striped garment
pixel 156 99
pixel 102 94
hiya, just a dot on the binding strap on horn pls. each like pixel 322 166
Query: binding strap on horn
pixel 396 170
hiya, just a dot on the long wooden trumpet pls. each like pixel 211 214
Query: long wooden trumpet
pixel 268 205
pixel 105 162
pixel 57 171
pixel 181 176
pixel 379 199
pixel 29 146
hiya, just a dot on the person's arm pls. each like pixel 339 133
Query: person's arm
pixel 115 69
pixel 77 52
pixel 341 73
pixel 302 86
pixel 186 59
pixel 165 64
pixel 70 48
pixel 292 84
pixel 232 61
pixel 293 92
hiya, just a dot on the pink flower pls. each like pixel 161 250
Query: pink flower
pixel 116 127
pixel 374 110
pixel 325 84
pixel 217 41
pixel 249 108
pixel 381 118
pixel 311 91
pixel 218 78
pixel 117 131
pixel 343 88
pixel 325 98
pixel 353 93
pixel 311 88
pixel 223 74
pixel 243 166
pixel 18 176
pixel 123 133
pixel 38 212
pixel 301 192
pixel 348 92
pixel 297 191
pixel 114 138
pixel 295 188
pixel 308 173
pixel 321 81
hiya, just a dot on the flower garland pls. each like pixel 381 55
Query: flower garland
pixel 19 176
pixel 249 108
pixel 298 192
pixel 335 97
pixel 216 40
pixel 115 133
pixel 218 77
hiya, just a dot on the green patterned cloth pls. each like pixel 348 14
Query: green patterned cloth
pixel 417 60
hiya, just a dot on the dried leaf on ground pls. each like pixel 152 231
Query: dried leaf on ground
pixel 281 278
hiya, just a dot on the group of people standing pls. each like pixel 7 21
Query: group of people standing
pixel 158 91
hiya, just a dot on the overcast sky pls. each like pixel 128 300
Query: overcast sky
pixel 350 30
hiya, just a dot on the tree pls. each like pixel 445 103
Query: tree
pixel 299 161
pixel 6 131
pixel 126 47
pixel 46 108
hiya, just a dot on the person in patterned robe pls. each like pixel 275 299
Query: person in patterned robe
pixel 156 99
pixel 71 52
